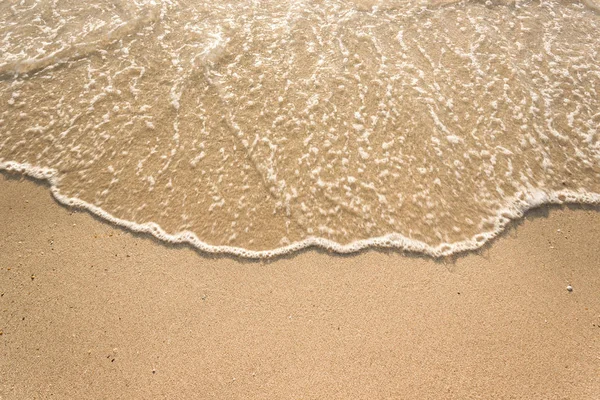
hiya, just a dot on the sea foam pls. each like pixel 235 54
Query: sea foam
pixel 261 128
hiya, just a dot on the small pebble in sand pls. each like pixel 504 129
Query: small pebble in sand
pixel 570 288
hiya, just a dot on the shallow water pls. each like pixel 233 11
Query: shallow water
pixel 259 127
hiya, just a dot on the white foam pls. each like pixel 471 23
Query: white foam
pixel 330 115
pixel 514 209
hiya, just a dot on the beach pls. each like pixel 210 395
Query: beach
pixel 90 310
pixel 320 199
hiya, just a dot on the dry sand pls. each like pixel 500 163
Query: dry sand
pixel 88 310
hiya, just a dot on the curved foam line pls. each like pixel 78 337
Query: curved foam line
pixel 518 205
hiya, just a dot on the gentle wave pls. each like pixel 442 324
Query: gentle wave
pixel 260 128
pixel 516 208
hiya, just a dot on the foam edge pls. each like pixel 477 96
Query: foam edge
pixel 517 207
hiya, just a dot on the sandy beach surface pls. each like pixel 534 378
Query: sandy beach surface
pixel 88 310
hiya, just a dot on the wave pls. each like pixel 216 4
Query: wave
pixel 261 128
pixel 515 208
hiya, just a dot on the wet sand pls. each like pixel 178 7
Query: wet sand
pixel 88 310
pixel 260 127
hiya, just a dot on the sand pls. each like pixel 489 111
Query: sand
pixel 88 310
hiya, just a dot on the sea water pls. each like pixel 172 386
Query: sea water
pixel 257 127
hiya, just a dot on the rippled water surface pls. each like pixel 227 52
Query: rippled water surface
pixel 258 127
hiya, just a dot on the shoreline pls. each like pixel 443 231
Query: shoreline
pixel 517 207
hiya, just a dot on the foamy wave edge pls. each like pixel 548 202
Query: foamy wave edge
pixel 517 206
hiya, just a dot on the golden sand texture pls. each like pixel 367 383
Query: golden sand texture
pixel 91 311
